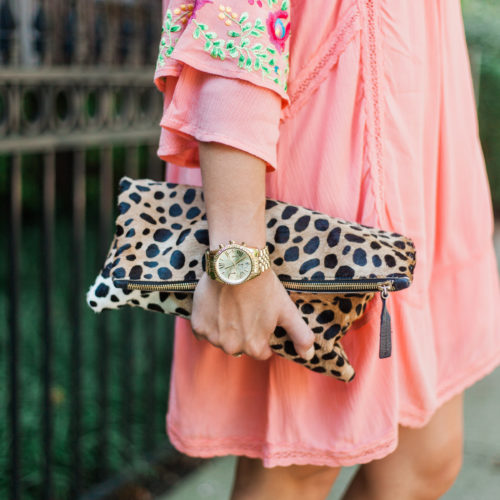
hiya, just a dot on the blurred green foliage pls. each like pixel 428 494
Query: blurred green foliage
pixel 482 26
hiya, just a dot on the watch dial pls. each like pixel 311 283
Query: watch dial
pixel 233 265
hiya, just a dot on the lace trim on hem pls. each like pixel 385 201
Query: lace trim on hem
pixel 273 453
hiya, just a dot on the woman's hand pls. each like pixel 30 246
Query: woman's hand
pixel 241 318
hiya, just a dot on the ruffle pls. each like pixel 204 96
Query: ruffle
pixel 204 107
pixel 242 39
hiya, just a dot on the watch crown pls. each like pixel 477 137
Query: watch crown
pixel 220 245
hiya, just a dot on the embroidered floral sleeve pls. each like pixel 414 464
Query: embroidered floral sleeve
pixel 247 39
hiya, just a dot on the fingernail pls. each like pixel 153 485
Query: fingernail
pixel 310 353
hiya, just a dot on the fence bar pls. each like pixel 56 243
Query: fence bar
pixel 149 333
pixel 14 330
pixel 49 172
pixel 128 329
pixel 105 218
pixel 78 242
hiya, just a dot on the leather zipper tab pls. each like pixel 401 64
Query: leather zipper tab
pixel 385 328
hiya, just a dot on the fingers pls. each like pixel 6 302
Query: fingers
pixel 297 329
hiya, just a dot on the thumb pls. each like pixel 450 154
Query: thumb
pixel 297 329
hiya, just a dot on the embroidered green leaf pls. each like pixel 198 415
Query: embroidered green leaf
pixel 257 46
pixel 208 44
pixel 218 43
pixel 265 69
pixel 244 42
pixel 234 34
pixel 202 26
pixel 169 14
pixel 259 25
pixel 271 62
pixel 211 35
pixel 233 52
pixel 270 49
pixel 213 52
pixel 196 33
pixel 241 61
pixel 175 28
pixel 229 44
pixel 262 55
pixel 221 54
pixel 246 27
pixel 248 63
pixel 254 33
pixel 243 17
pixel 170 50
pixel 276 80
pixel 284 5
pixel 256 63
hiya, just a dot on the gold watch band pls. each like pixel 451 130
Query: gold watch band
pixel 260 257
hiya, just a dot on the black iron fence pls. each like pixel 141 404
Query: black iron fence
pixel 82 396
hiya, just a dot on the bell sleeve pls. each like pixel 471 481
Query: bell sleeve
pixel 222 69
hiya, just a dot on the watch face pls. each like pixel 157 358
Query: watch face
pixel 233 265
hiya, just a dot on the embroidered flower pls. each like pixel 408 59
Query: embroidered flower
pixel 278 28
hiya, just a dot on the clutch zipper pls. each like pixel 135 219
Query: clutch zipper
pixel 382 285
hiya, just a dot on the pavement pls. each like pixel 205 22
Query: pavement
pixel 479 478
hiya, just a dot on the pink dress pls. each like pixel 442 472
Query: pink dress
pixel 362 109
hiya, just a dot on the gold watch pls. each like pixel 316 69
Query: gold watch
pixel 235 263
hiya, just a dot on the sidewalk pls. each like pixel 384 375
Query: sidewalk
pixel 479 478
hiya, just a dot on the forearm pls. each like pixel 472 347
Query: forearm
pixel 234 191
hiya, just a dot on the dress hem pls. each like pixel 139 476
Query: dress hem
pixel 281 456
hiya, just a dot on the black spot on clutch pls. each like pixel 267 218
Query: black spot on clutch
pixel 123 208
pixel 177 259
pixel 119 273
pixel 272 222
pixel 130 233
pixel 182 236
pixel 189 196
pixel 331 331
pixel 119 230
pixel 102 290
pixel 331 261
pixel 135 273
pixel 345 305
pixel 155 307
pixel 344 272
pixel 181 311
pixel 359 257
pixel 308 264
pixel 279 332
pixel 270 204
pixel 135 197
pixel 290 348
pixel 325 316
pixel 318 275
pixel 202 236
pixel 164 273
pixel 159 195
pixel 152 251
pixel 288 212
pixel 143 188
pixel 175 210
pixel 307 309
pixel 147 218
pixel 346 250
pixel 333 237
pixel 291 254
pixel 312 245
pixel 377 261
pixel 190 276
pixel 321 224
pixel 318 369
pixel 162 235
pixel 124 185
pixel 302 223
pixel 354 238
pixel 400 244
pixel 329 355
pixel 390 260
pixel 375 246
pixel 193 212
pixel 282 234
pixel 340 361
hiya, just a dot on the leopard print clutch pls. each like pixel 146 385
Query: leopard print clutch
pixel 330 267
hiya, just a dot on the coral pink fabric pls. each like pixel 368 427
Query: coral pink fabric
pixel 378 125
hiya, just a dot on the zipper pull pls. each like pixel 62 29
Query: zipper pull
pixel 385 325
